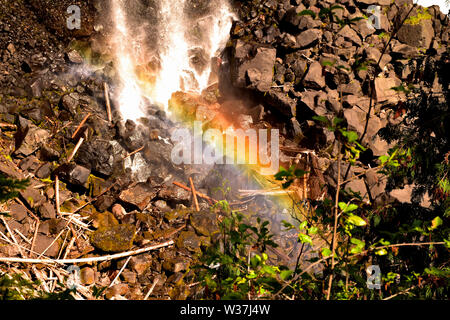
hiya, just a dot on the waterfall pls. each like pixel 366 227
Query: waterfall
pixel 188 38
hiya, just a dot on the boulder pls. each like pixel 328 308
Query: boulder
pixel 73 174
pixel 308 38
pixel 204 223
pixel 253 67
pixel 314 78
pixel 114 239
pixel 140 195
pixel 28 137
pixel 417 31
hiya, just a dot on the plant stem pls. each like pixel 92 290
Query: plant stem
pixel 336 209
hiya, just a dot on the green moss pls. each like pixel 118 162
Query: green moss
pixel 422 14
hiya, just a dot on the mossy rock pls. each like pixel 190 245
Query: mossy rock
pixel 176 214
pixel 114 239
pixel 190 241
pixel 104 220
pixel 204 223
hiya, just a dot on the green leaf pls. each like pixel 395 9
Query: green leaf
pixel 326 63
pixel 359 246
pixel 303 225
pixel 287 225
pixel 321 119
pixel 351 136
pixel 381 252
pixel 326 252
pixel 304 238
pixel 347 208
pixel 356 220
pixel 307 13
pixel 436 222
pixel 285 274
pixel 313 230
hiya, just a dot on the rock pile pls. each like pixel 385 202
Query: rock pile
pixel 337 59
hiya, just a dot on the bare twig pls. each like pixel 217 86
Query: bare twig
pixel 134 152
pixel 201 195
pixel 120 272
pixel 81 125
pixel 194 194
pixel 36 228
pixel 58 210
pixel 74 151
pixel 108 103
pixel 92 259
pixel 336 209
pixel 12 236
pixel 155 282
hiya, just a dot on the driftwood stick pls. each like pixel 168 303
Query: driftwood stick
pixel 12 236
pixel 58 210
pixel 120 272
pixel 8 126
pixel 108 103
pixel 36 228
pixel 201 195
pixel 194 194
pixel 92 259
pixel 81 125
pixel 155 282
pixel 134 152
pixel 75 149
pixel 28 210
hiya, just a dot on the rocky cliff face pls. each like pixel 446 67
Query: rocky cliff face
pixel 337 59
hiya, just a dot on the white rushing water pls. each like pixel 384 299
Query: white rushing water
pixel 181 38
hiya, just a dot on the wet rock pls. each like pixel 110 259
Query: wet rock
pixel 173 215
pixel 75 57
pixel 47 211
pixel 139 195
pixel 43 242
pixel 18 212
pixel 87 276
pixel 114 239
pixel 29 164
pixel 173 193
pixel 98 155
pixel 73 174
pixel 54 16
pixel 70 102
pixel 204 223
pixel 189 240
